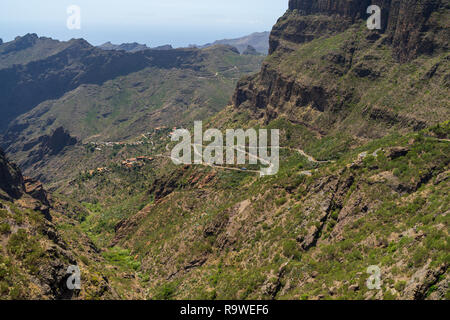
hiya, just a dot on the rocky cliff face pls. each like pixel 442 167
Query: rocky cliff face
pixel 44 146
pixel 57 141
pixel 324 62
pixel 14 186
pixel 412 26
pixel 21 229
pixel 11 180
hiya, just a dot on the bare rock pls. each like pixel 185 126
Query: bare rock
pixel 354 287
pixel 417 288
pixel 444 176
pixel 396 152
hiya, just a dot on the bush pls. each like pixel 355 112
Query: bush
pixel 85 260
pixel 400 286
pixel 281 201
pixel 290 250
pixel 17 244
pixel 122 258
pixel 5 228
pixel 166 292
pixel 27 249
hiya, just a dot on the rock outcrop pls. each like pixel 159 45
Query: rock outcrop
pixel 57 141
pixel 47 145
pixel 421 282
pixel 14 186
pixel 20 43
pixel 11 180
pixel 35 255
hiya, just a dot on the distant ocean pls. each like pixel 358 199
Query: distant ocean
pixel 179 36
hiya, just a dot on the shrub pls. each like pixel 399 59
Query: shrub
pixel 5 228
pixel 85 260
pixel 290 250
pixel 122 258
pixel 27 249
pixel 281 201
pixel 400 286
pixel 17 244
pixel 166 291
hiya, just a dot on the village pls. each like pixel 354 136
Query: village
pixel 130 163
pixel 146 136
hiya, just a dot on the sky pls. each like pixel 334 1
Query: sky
pixel 153 22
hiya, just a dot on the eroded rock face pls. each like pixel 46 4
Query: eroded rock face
pixel 311 92
pixel 36 190
pixel 422 280
pixel 407 22
pixel 28 192
pixel 47 145
pixel 57 141
pixel 11 180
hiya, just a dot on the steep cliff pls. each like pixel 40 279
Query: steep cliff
pixel 328 71
pixel 34 255
pixel 412 27
pixel 11 180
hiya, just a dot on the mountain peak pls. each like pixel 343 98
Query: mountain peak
pixel 28 36
pixel 21 43
pixel 129 47
pixel 80 43
pixel 164 47
pixel 258 40
pixel 251 51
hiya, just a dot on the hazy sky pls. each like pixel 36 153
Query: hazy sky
pixel 153 22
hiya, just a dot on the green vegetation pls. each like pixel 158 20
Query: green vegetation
pixel 122 258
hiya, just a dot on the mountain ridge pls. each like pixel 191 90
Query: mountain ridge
pixel 258 40
pixel 89 65
pixel 88 92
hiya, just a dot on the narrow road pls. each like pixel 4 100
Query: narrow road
pixel 218 166
pixel 263 161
